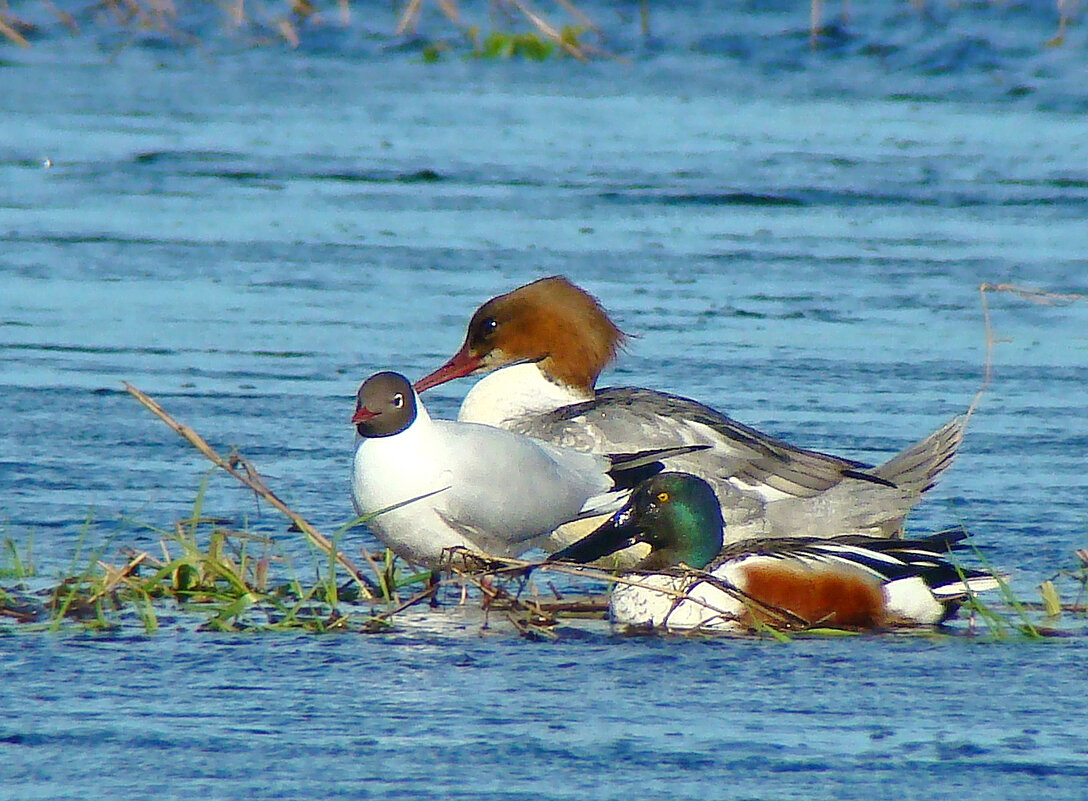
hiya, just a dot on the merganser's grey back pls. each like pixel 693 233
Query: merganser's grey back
pixel 776 488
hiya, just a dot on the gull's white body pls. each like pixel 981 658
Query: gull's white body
pixel 486 489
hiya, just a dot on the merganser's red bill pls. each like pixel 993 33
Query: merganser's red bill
pixel 463 363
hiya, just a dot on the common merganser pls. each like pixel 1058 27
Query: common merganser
pixel 544 345
pixel 848 582
pixel 472 486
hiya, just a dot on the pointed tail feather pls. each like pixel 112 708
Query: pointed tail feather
pixel 916 469
pixel 974 581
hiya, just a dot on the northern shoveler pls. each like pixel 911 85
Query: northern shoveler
pixel 688 581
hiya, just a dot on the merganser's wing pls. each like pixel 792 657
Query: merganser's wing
pixel 625 418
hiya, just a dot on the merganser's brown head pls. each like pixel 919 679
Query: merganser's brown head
pixel 550 322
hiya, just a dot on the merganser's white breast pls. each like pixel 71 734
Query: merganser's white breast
pixel 506 396
pixel 544 346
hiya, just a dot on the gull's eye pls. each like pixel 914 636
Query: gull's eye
pixel 662 497
pixel 398 400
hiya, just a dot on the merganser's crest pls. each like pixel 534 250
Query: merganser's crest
pixel 551 323
pixel 384 406
pixel 544 345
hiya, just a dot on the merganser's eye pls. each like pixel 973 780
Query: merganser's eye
pixel 663 497
pixel 488 325
pixel 398 400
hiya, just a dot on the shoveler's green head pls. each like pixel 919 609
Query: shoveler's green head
pixel 676 514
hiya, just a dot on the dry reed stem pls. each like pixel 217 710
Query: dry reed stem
pixel 250 478
pixel 409 17
pixel 815 25
pixel 7 28
pixel 115 576
pixel 782 618
pixel 450 9
pixel 551 33
pixel 66 19
pixel 579 15
pixel 289 33
pixel 415 599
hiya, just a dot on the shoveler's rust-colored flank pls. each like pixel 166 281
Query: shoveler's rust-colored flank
pixel 822 596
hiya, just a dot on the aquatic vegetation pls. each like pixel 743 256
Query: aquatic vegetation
pixel 216 577
pixel 210 577
pixel 499 44
pixel 517 29
pixel 14 564
pixel 272 22
pixel 204 573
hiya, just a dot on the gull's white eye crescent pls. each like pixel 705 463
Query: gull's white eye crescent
pixel 398 400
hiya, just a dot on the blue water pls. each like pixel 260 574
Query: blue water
pixel 795 236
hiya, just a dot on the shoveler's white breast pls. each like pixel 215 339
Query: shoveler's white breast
pixel 674 603
pixel 910 600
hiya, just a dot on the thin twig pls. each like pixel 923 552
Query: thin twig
pixel 7 29
pixel 115 576
pixel 542 25
pixel 415 599
pixel 1024 293
pixel 251 479
pixel 409 17
pixel 580 15
pixel 779 617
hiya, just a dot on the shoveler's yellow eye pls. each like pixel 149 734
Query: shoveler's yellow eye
pixel 663 497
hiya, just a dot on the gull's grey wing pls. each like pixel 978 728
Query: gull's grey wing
pixel 510 489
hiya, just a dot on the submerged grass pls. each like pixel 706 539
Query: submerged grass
pixel 208 576
pixel 517 28
pixel 14 565
pixel 204 576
